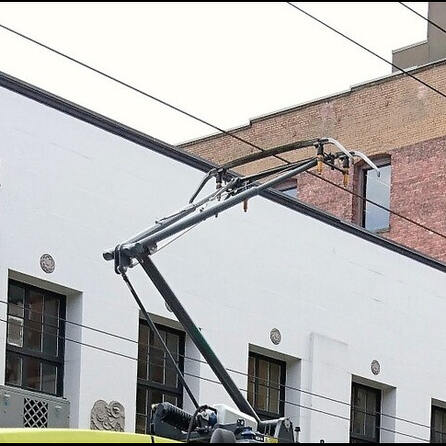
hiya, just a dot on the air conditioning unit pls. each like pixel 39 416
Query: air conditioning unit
pixel 23 408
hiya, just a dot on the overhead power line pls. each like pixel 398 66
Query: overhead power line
pixel 209 124
pixel 200 361
pixel 423 17
pixel 407 73
pixel 291 403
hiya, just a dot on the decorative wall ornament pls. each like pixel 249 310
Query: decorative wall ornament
pixel 375 367
pixel 107 417
pixel 47 263
pixel 275 336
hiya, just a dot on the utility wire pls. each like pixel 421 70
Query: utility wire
pixel 423 17
pixel 188 358
pixel 407 73
pixel 377 205
pixel 124 84
pixel 232 135
pixel 112 352
pixel 209 124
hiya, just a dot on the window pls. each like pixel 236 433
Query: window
pixel 157 379
pixel 35 339
pixel 438 425
pixel 266 386
pixel 288 187
pixel 376 189
pixel 365 414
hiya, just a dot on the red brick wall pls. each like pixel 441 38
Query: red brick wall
pixel 375 117
pixel 394 115
pixel 418 191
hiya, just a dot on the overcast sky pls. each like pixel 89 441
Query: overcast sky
pixel 226 62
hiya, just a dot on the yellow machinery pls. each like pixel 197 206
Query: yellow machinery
pixel 75 436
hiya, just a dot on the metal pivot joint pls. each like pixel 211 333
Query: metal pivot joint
pixel 230 191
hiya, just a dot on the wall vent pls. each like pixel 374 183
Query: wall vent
pixel 35 413
pixel 24 408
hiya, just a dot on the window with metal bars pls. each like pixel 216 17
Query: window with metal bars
pixel 438 425
pixel 266 386
pixel 35 339
pixel 157 379
pixel 365 414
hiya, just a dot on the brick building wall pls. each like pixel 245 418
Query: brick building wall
pixel 395 115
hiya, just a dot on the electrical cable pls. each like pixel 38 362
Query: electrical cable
pixel 407 73
pixel 423 17
pixel 397 214
pixel 219 129
pixel 104 350
pixel 149 346
pixel 203 121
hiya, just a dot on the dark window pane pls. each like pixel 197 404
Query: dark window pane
pixel 438 425
pixel 35 306
pixel 142 369
pixel 359 404
pixel 156 397
pixel 33 373
pixel 156 359
pixel 377 190
pixel 364 418
pixel 141 400
pixel 274 400
pixel 173 343
pixel 33 336
pixel 143 349
pixel 15 331
pixel 13 370
pixel 33 325
pixel 161 381
pixel 51 313
pixel 170 399
pixel 171 375
pixel 50 340
pixel 251 380
pixel 49 378
pixel 262 390
pixel 274 375
pixel 265 387
pixel 36 333
pixel 16 299
pixel 141 424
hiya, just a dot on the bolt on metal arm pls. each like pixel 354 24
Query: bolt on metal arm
pixel 238 190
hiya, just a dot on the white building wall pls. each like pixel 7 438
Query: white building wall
pixel 72 190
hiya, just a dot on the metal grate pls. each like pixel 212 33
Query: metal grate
pixel 35 413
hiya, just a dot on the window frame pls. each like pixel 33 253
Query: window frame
pixel 150 385
pixel 363 168
pixel 263 414
pixel 289 184
pixel 435 408
pixel 25 353
pixel 357 438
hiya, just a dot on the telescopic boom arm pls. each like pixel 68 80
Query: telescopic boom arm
pixel 231 191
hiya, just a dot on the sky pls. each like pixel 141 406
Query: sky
pixel 225 62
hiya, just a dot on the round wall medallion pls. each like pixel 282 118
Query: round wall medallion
pixel 275 336
pixel 375 367
pixel 47 263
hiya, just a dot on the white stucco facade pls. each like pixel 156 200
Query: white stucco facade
pixel 71 190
